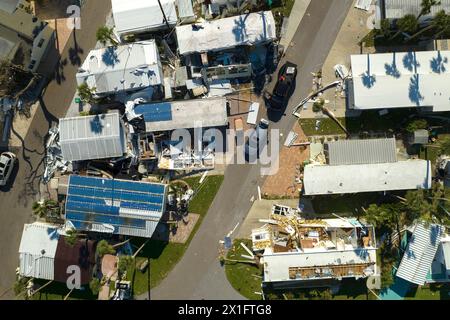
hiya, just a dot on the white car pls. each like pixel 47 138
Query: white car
pixel 7 161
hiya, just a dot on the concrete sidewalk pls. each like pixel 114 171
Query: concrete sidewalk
pixel 296 16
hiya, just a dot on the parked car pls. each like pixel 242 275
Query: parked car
pixel 283 88
pixel 252 146
pixel 7 161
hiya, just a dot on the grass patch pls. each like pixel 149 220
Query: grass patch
pixel 164 256
pixel 342 204
pixel 368 121
pixel 349 289
pixel 58 290
pixel 244 278
pixel 430 292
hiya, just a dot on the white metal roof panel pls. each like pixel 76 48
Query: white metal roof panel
pixel 127 67
pixel 37 250
pixel 420 252
pixel 134 16
pixel 92 137
pixel 402 175
pixel 395 9
pixel 248 29
pixel 401 80
pixel 361 151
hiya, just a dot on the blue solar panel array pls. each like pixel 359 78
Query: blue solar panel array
pixel 99 200
pixel 155 112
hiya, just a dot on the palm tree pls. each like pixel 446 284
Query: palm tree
pixel 103 247
pixel 385 28
pixel 426 6
pixel 71 237
pixel 105 35
pixel 86 93
pixel 45 208
pixel 440 22
pixel 406 24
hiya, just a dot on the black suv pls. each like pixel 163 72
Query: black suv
pixel 284 87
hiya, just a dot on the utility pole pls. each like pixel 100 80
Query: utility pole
pixel 164 14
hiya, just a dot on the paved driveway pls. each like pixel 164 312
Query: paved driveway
pixel 17 200
pixel 199 275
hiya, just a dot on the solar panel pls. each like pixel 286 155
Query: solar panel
pixel 155 112
pixel 108 201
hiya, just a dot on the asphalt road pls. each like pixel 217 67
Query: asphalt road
pixel 16 200
pixel 199 275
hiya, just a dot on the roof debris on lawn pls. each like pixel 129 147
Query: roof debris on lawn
pixel 420 252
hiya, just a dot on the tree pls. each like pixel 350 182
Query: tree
pixel 124 263
pixel 385 28
pixel 426 6
pixel 71 237
pixel 444 146
pixel 103 247
pixel 46 208
pixel 416 125
pixel 440 23
pixel 86 93
pixel 95 285
pixel 15 80
pixel 318 105
pixel 105 35
pixel 407 24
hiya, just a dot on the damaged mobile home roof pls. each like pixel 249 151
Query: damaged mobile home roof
pixel 402 175
pixel 127 67
pixel 360 151
pixel 92 137
pixel 37 250
pixel 135 16
pixel 401 80
pixel 248 29
pixel 114 206
pixel 184 114
pixel 420 252
pixel 278 265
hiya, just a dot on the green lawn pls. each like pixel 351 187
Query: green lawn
pixel 243 277
pixel 342 204
pixel 430 292
pixel 163 256
pixel 57 291
pixel 349 290
pixel 368 121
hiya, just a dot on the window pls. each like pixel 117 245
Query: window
pixel 41 42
